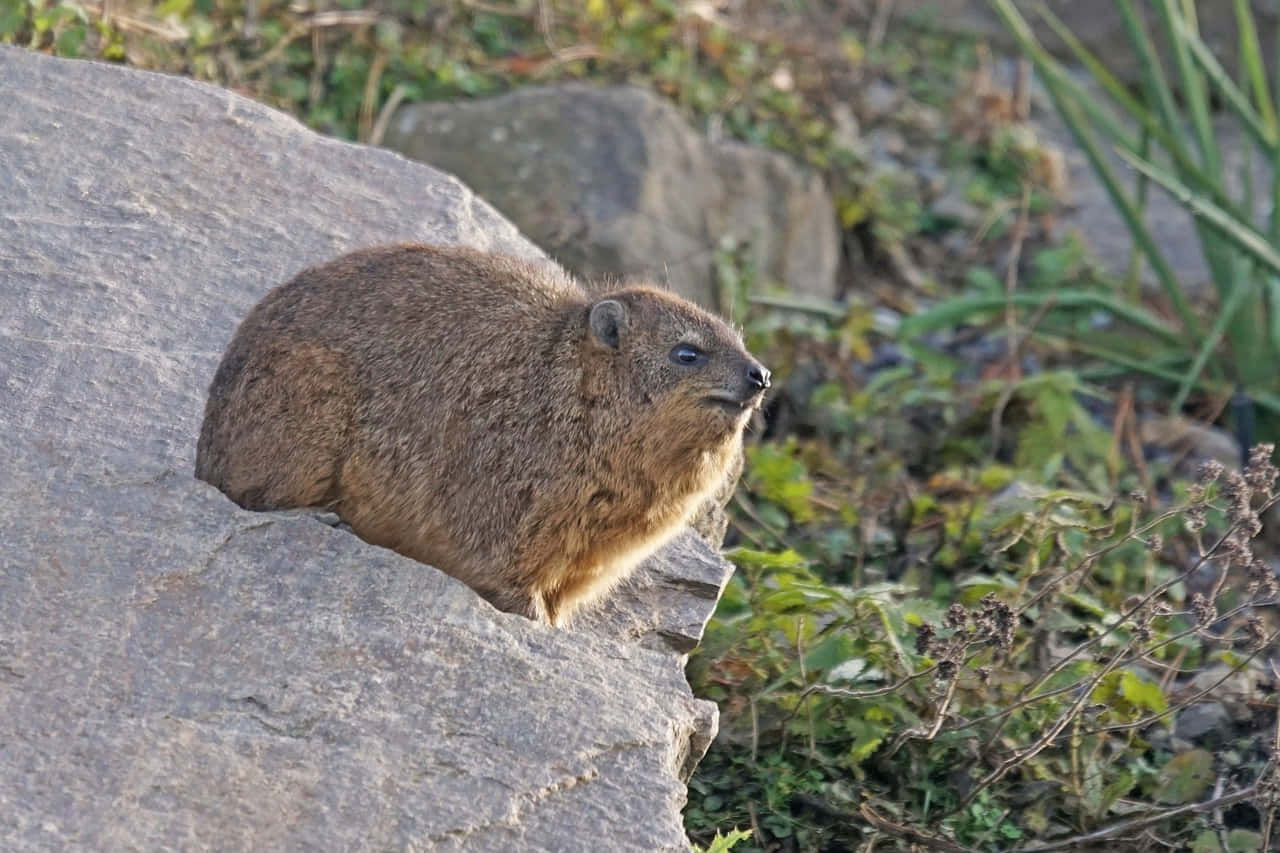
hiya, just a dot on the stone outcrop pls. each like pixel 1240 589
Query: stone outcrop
pixel 614 182
pixel 178 673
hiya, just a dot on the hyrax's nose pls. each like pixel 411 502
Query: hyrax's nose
pixel 757 375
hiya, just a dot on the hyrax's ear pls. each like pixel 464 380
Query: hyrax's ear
pixel 608 321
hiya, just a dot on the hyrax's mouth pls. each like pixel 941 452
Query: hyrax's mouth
pixel 734 404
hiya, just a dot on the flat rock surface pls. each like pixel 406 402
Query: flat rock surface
pixel 176 673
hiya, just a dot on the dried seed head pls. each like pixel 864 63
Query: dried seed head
pixel 1256 633
pixel 956 616
pixel 1209 472
pixel 1239 496
pixel 995 622
pixel 947 670
pixel 1259 473
pixel 1195 519
pixel 1202 610
pixel 926 636
pixel 1155 543
pixel 1256 577
pixel 1236 549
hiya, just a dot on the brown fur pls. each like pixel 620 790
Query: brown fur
pixel 465 410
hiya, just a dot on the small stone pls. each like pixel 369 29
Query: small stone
pixel 879 100
pixel 1203 722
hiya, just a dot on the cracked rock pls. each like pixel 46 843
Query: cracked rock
pixel 177 673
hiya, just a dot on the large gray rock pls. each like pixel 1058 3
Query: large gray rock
pixel 614 182
pixel 176 673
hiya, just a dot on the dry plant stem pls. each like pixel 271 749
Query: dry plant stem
pixel 880 23
pixel 925 839
pixel 1269 772
pixel 571 54
pixel 384 115
pixel 546 25
pixel 746 507
pixel 1218 786
pixel 491 9
pixel 846 693
pixel 1022 90
pixel 355 18
pixel 1047 738
pixel 804 676
pixel 1075 653
pixel 1137 456
pixel 163 31
pixel 939 718
pixel 319 65
pixel 370 98
pixel 737 525
pixel 1188 701
pixel 1005 712
pixel 1124 412
pixel 1137 824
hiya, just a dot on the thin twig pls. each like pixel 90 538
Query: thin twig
pixel 1047 738
pixel 933 842
pixel 370 98
pixel 1011 342
pixel 1269 775
pixel 351 18
pixel 880 23
pixel 490 9
pixel 397 95
pixel 1139 823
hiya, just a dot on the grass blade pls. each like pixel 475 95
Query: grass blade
pixel 1231 93
pixel 962 308
pixel 1192 85
pixel 1225 318
pixel 1255 70
pixel 1068 108
pixel 1238 232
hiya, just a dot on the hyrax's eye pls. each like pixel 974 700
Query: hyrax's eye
pixel 687 355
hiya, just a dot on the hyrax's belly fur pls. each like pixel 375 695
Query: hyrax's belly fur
pixel 483 415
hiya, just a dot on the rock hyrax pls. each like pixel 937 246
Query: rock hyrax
pixel 482 414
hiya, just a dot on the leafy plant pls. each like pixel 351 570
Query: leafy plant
pixel 1027 700
pixel 1166 133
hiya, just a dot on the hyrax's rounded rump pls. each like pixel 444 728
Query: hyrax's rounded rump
pixel 481 414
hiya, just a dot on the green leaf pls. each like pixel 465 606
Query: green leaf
pixel 13 17
pixel 772 561
pixel 777 474
pixel 1185 777
pixel 69 40
pixel 724 843
pixel 830 653
pixel 1114 790
pixel 1244 841
pixel 1142 694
